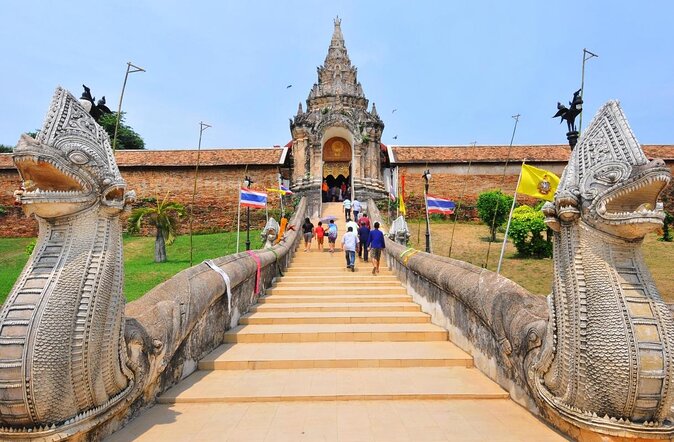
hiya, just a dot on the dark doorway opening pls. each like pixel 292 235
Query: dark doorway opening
pixel 339 188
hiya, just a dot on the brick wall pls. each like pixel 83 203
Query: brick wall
pixel 215 204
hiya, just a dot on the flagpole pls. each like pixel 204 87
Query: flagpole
pixel 505 168
pixel 238 222
pixel 463 195
pixel 510 216
pixel 238 214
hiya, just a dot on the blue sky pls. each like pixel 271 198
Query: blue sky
pixel 455 70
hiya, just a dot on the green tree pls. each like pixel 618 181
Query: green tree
pixel 127 138
pixel 493 208
pixel 526 231
pixel 6 149
pixel 164 216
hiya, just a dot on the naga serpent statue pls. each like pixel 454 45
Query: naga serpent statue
pixel 607 361
pixel 63 359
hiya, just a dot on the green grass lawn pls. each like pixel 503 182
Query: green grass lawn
pixel 141 272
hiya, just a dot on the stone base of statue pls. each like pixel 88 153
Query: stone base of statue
pixel 573 138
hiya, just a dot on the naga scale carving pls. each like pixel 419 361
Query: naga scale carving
pixel 606 363
pixel 62 352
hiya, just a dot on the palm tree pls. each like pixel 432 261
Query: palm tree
pixel 164 217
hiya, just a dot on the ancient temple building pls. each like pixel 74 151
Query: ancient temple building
pixel 338 138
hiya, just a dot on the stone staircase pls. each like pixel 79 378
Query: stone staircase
pixel 335 355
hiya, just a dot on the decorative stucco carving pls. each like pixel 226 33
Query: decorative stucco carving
pixel 62 353
pixel 607 362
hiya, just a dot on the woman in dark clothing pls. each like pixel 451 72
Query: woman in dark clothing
pixel 308 233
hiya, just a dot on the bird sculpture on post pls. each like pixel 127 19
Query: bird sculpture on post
pixel 569 115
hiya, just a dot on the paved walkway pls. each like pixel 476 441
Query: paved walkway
pixel 331 355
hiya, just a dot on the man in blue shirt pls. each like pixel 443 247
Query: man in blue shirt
pixel 376 244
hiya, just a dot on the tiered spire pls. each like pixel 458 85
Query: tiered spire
pixel 337 77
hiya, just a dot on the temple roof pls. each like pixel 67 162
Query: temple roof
pixel 491 154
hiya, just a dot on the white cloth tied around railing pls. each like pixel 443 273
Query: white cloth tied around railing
pixel 225 277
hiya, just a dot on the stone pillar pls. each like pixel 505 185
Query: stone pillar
pixel 299 146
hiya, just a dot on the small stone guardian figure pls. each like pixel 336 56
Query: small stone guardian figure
pixel 269 233
pixel 399 231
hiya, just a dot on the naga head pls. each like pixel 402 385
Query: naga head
pixel 70 165
pixel 609 182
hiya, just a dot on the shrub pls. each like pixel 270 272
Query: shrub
pixel 3 210
pixel 493 208
pixel 666 234
pixel 526 231
pixel 30 247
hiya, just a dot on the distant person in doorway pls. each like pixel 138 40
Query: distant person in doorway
pixel 308 233
pixel 325 189
pixel 334 194
pixel 356 207
pixel 332 235
pixel 320 234
pixel 376 244
pixel 363 237
pixel 349 244
pixel 343 189
pixel 347 208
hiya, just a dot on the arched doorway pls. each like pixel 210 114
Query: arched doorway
pixel 336 169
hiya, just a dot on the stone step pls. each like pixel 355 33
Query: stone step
pixel 364 281
pixel 329 384
pixel 335 318
pixel 334 333
pixel 335 355
pixel 338 307
pixel 341 279
pixel 321 269
pixel 332 421
pixel 332 298
pixel 320 289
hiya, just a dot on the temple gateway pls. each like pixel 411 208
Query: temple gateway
pixel 337 140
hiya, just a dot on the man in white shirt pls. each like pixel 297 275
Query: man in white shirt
pixel 352 224
pixel 347 208
pixel 349 244
pixel 356 207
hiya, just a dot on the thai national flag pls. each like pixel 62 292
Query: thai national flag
pixel 391 193
pixel 436 204
pixel 252 198
pixel 286 190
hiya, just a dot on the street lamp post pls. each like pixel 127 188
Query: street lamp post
pixel 427 177
pixel 130 69
pixel 202 127
pixel 247 183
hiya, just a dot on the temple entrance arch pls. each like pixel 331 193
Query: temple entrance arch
pixel 337 157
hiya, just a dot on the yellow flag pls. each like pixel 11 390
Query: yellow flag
pixel 401 206
pixel 538 183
